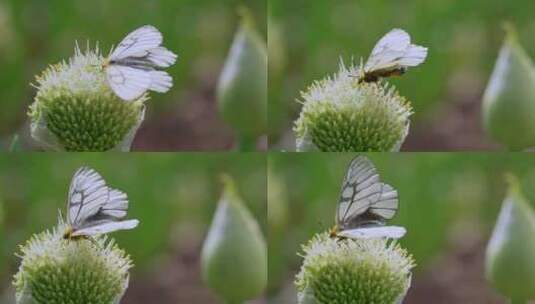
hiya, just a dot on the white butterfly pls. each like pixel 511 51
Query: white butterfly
pixel 93 207
pixel 392 55
pixel 365 204
pixel 132 68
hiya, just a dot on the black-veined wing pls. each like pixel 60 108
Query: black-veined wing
pixel 87 194
pixel 364 198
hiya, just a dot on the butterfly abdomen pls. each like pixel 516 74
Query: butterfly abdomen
pixel 68 235
pixel 374 76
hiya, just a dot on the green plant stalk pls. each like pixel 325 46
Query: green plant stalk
pixel 15 144
pixel 518 301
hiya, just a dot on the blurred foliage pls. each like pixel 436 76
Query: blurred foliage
pixel 174 197
pixel 36 33
pixel 443 196
pixel 463 37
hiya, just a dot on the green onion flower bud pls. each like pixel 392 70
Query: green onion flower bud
pixel 363 271
pixel 76 110
pixel 510 265
pixel 242 89
pixel 339 114
pixel 55 270
pixel 234 255
pixel 509 100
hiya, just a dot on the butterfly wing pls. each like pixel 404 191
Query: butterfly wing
pixel 160 81
pixel 395 51
pixel 94 208
pixel 391 232
pixel 392 46
pixel 161 57
pixel 116 206
pixel 106 227
pixel 360 188
pixel 87 194
pixel 414 56
pixel 387 204
pixel 138 43
pixel 364 195
pixel 127 82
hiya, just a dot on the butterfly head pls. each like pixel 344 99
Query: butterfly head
pixel 333 232
pixel 106 63
pixel 68 233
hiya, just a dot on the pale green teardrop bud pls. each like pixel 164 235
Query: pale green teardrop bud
pixel 58 270
pixel 510 256
pixel 76 110
pixel 509 100
pixel 341 115
pixel 361 271
pixel 14 145
pixel 242 88
pixel 234 255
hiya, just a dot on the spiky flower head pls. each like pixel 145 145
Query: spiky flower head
pixel 55 270
pixel 337 271
pixel 340 114
pixel 76 110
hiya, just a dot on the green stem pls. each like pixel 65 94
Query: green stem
pixel 246 144
pixel 14 145
pixel 518 301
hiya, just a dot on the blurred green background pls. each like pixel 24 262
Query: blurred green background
pixel 449 203
pixel 306 43
pixel 36 33
pixel 173 195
